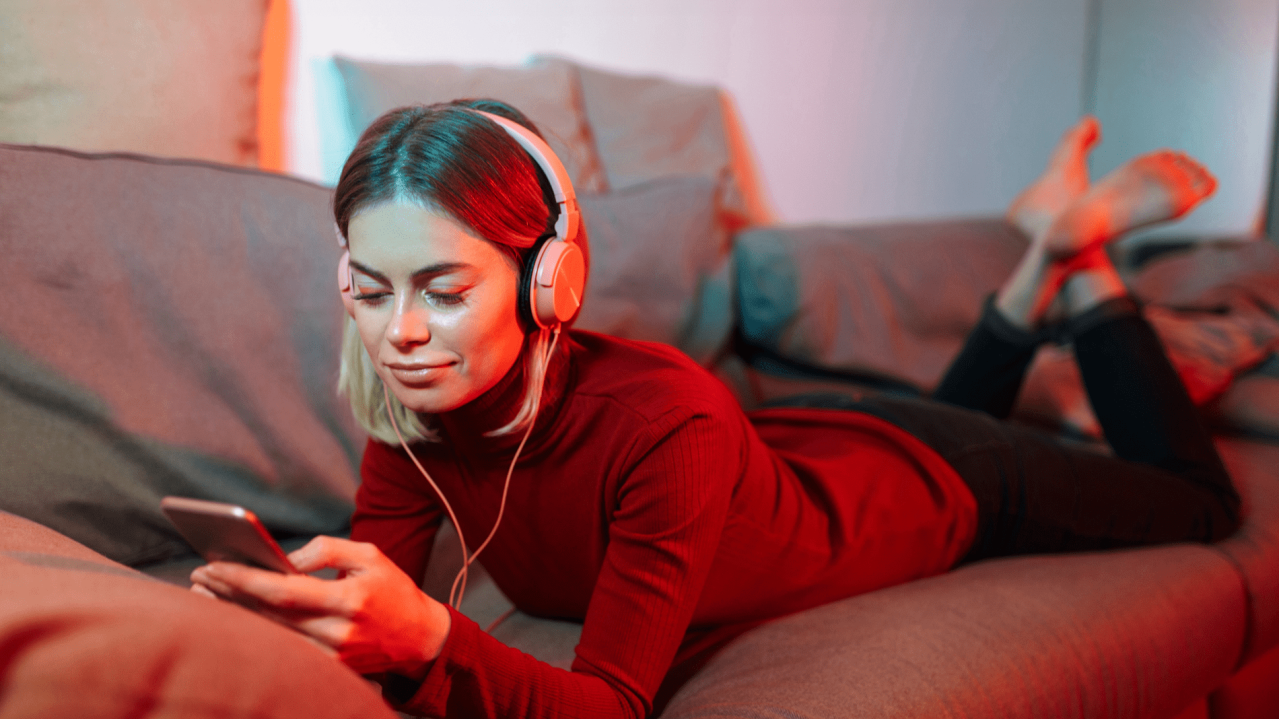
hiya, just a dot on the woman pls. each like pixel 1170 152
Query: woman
pixel 638 498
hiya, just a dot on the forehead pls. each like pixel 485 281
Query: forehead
pixel 397 235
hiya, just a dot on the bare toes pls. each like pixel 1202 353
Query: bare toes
pixel 1077 141
pixel 1202 181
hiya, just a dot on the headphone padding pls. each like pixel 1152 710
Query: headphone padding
pixel 524 292
pixel 344 283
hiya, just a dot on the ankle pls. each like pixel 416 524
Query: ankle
pixel 1092 281
pixel 1026 294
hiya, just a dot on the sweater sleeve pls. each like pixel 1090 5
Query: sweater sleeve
pixel 667 515
pixel 394 510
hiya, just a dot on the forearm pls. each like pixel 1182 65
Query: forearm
pixel 475 675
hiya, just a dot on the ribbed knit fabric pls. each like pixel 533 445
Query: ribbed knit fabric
pixel 650 508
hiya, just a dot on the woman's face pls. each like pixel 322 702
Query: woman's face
pixel 435 306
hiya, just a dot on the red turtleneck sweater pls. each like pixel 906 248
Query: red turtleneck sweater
pixel 648 507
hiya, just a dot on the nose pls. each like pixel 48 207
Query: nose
pixel 409 325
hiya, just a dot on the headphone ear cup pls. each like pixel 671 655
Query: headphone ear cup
pixel 344 283
pixel 559 280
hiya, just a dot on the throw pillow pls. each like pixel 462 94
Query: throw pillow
pixel 152 76
pixel 660 266
pixel 648 127
pixel 545 90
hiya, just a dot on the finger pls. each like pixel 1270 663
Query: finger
pixel 284 592
pixel 203 591
pixel 332 631
pixel 332 552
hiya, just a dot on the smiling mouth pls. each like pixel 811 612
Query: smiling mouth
pixel 417 374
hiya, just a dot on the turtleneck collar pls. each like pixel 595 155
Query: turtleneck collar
pixel 468 424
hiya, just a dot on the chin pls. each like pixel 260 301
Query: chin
pixel 427 402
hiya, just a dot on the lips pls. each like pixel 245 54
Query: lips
pixel 417 374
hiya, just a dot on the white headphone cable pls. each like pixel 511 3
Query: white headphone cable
pixel 537 406
pixel 456 591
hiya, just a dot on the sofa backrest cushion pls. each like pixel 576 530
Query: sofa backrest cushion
pixel 894 300
pixel 546 91
pixel 178 79
pixel 167 327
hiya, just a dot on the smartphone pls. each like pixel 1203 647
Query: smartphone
pixel 223 532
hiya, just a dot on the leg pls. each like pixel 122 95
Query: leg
pixel 987 373
pixel 1167 481
pixel 1064 262
pixel 1037 494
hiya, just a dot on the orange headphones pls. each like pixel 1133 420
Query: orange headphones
pixel 554 278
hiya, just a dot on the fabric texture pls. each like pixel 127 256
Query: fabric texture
pixel 660 266
pixel 1165 482
pixel 896 300
pixel 1138 633
pixel 178 79
pixel 1254 547
pixel 169 328
pixel 1216 311
pixel 648 127
pixel 546 90
pixel 692 525
pixel 82 636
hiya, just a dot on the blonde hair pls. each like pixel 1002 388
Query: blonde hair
pixel 366 392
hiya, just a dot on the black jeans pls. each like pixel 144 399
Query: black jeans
pixel 1036 493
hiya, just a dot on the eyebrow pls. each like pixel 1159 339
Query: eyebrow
pixel 435 270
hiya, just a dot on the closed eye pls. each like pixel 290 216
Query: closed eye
pixel 446 299
pixel 371 297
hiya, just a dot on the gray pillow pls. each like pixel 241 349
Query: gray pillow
pixel 546 89
pixel 167 327
pixel 892 300
pixel 660 265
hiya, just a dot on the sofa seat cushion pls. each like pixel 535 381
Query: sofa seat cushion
pixel 82 636
pixel 1255 547
pixel 1121 634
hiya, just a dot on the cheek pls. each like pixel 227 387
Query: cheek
pixel 498 339
pixel 372 328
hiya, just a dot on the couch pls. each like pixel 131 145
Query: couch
pixel 169 326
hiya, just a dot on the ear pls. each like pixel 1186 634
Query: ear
pixel 344 282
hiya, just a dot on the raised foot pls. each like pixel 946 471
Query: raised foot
pixel 1152 188
pixel 1063 181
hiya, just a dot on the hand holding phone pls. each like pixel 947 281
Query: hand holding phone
pixel 223 532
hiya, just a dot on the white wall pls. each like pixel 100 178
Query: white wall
pixel 1199 76
pixel 860 110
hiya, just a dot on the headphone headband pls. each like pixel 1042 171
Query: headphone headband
pixel 552 284
pixel 556 175
pixel 554 280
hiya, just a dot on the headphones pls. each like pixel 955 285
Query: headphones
pixel 553 278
